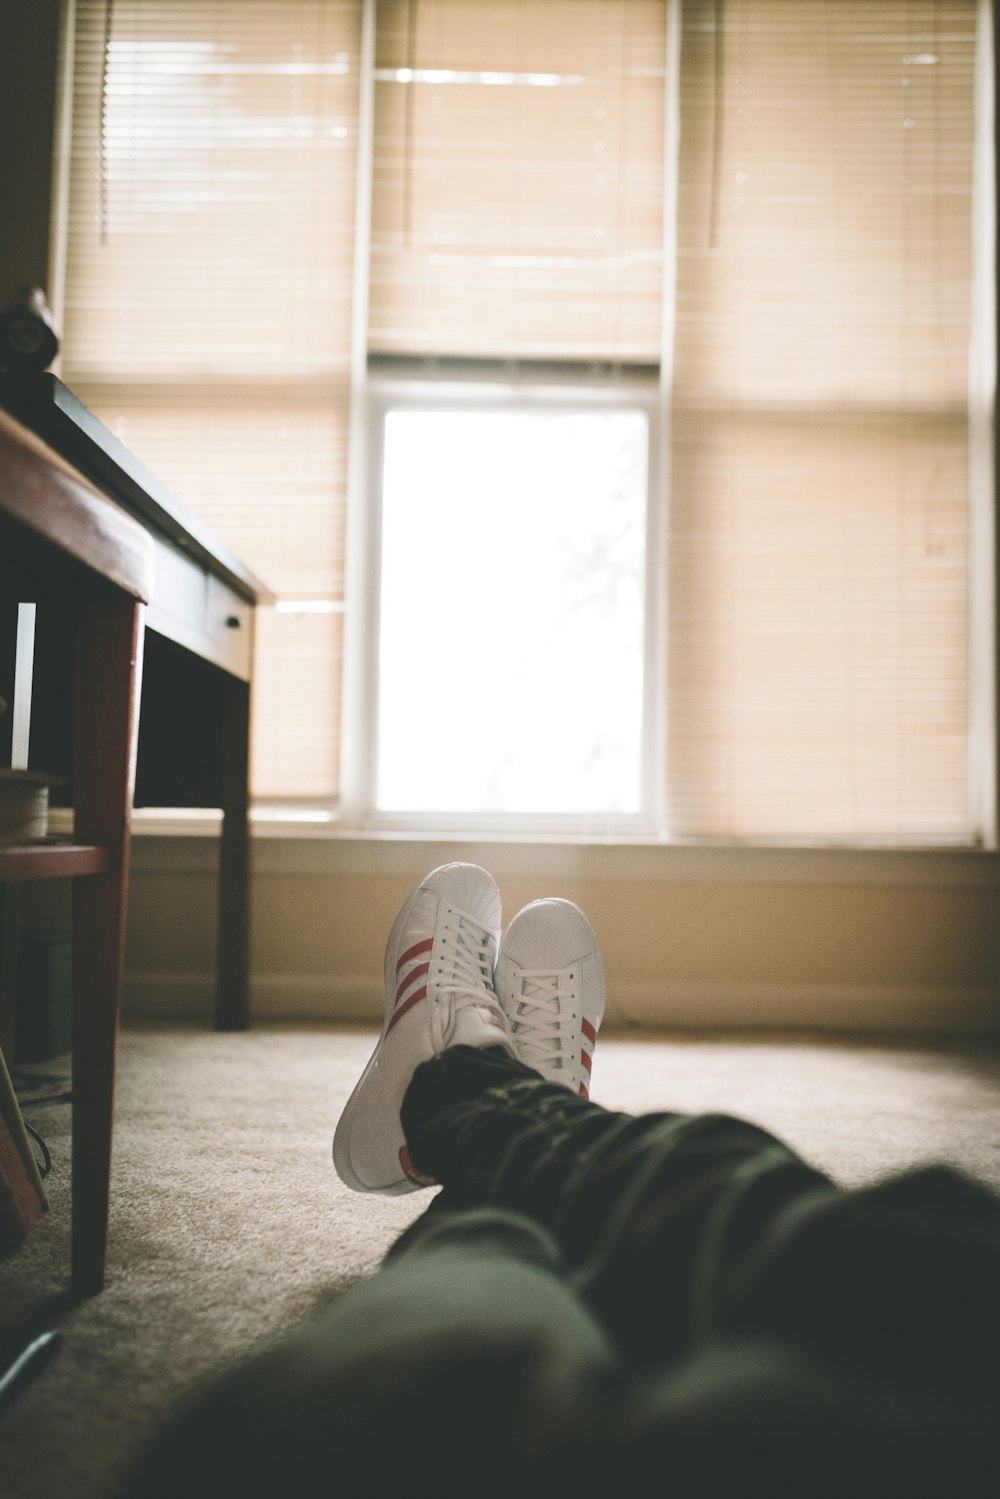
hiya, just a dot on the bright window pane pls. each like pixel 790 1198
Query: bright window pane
pixel 512 611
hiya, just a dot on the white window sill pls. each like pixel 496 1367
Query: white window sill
pixel 185 842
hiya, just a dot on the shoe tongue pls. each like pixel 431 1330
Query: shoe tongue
pixel 478 1025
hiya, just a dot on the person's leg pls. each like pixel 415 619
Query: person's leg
pixel 461 1365
pixel 642 1207
pixel 778 1324
pixel 684 1229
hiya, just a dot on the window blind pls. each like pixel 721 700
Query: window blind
pixel 817 664
pixel 517 192
pixel 208 298
pixel 818 521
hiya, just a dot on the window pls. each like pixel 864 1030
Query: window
pixel 511 618
pixel 727 250
pixel 518 193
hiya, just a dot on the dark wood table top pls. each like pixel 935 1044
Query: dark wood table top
pixel 49 511
pixel 40 401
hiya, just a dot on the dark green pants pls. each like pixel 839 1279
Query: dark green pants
pixel 603 1304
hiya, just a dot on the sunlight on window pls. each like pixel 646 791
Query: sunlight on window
pixel 512 612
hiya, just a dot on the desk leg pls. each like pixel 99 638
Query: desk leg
pixel 232 993
pixel 108 673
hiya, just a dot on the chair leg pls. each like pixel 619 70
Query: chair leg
pixel 109 666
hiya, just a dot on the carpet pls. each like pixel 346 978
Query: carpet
pixel 229 1226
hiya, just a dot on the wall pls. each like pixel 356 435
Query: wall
pixel 690 936
pixel 833 939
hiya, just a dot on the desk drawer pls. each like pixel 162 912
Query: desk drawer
pixel 198 611
pixel 230 629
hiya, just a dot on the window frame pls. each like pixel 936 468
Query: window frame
pixel 433 385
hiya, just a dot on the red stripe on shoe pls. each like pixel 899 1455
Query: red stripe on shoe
pixel 583 1091
pixel 414 973
pixel 587 1060
pixel 406 1005
pixel 589 1031
pixel 414 952
pixel 411 1171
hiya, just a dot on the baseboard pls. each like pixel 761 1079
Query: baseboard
pixel 871 1008
pixel 671 1004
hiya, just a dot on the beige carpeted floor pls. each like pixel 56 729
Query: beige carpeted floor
pixel 229 1225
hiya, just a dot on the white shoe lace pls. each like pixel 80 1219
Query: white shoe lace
pixel 465 971
pixel 536 1022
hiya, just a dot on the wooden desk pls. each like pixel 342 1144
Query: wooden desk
pixel 195 709
pixel 62 544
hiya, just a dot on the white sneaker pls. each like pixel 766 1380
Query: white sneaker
pixel 550 984
pixel 439 992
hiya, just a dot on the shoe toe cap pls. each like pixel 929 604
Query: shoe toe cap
pixel 470 888
pixel 549 934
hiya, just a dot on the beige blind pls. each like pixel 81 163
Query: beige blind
pixel 208 304
pixel 518 178
pixel 817 588
pixel 817 681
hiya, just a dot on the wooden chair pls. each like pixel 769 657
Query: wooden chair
pixel 66 548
